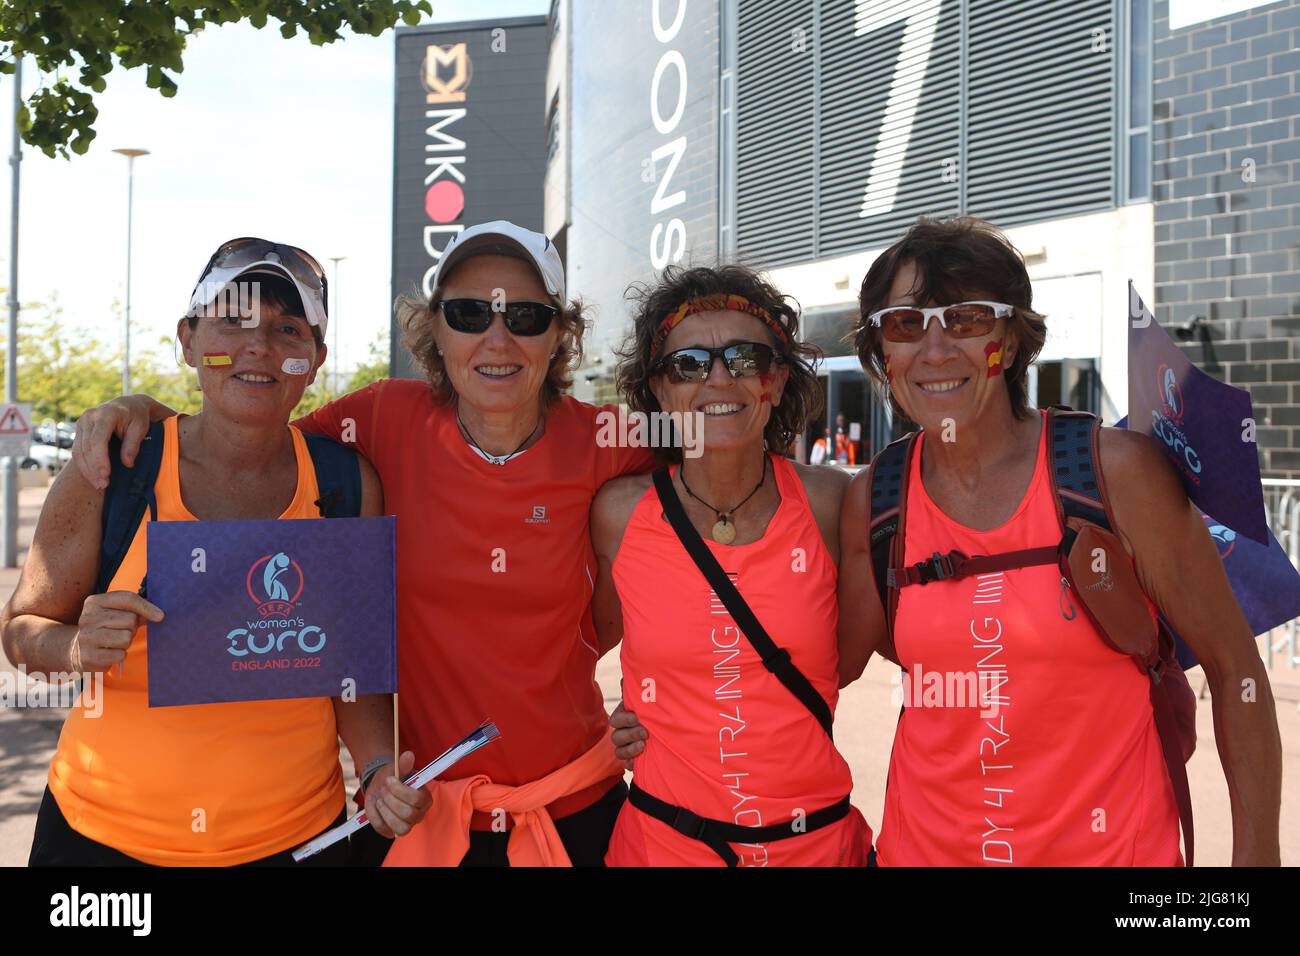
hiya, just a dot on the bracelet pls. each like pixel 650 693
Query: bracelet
pixel 373 768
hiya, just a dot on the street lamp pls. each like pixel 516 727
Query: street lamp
pixel 130 155
pixel 334 319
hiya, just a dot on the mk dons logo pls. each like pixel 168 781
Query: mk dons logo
pixel 439 61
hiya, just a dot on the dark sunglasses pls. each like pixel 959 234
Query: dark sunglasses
pixel 963 320
pixel 474 316
pixel 693 365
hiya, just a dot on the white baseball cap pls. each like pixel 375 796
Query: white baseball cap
pixel 535 247
pixel 252 256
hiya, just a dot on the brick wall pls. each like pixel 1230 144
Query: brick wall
pixel 1226 155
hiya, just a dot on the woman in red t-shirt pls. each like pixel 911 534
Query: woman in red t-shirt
pixel 490 471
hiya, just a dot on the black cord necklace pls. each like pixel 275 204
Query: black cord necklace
pixel 724 529
pixel 496 459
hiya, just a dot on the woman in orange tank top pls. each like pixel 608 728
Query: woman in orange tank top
pixel 217 784
pixel 1057 761
pixel 737 769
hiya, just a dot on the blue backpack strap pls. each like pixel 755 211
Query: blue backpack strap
pixel 888 483
pixel 1072 456
pixel 126 499
pixel 338 477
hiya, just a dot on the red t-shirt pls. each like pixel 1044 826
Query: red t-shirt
pixel 494 579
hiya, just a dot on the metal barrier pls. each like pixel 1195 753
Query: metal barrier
pixel 1282 510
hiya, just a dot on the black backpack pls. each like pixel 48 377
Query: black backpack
pixel 1083 510
pixel 130 493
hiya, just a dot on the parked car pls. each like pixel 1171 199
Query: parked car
pixel 47 456
pixel 55 433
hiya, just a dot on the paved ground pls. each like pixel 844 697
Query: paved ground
pixel 863 731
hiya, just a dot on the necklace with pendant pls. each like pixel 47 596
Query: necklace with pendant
pixel 724 529
pixel 496 459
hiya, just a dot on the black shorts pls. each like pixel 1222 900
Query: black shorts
pixel 585 836
pixel 55 843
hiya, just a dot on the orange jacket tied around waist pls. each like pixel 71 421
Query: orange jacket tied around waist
pixel 442 838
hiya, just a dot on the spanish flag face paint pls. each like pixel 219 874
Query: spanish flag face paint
pixel 889 372
pixel 217 359
pixel 993 353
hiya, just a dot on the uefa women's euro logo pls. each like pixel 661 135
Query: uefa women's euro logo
pixel 1167 420
pixel 1171 396
pixel 274 583
pixel 1225 539
pixel 281 583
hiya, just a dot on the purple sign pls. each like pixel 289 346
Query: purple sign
pixel 1206 428
pixel 271 610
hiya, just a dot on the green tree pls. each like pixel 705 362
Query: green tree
pixel 88 36
pixel 374 369
pixel 62 368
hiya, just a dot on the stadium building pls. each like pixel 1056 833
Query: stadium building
pixel 1114 140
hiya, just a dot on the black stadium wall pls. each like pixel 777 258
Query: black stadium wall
pixel 469 141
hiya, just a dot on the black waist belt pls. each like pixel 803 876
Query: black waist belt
pixel 717 834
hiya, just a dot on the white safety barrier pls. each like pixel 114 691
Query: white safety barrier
pixel 1282 510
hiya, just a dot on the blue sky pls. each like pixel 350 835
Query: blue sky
pixel 266 136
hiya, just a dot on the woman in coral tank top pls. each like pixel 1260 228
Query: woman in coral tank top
pixel 737 770
pixel 1058 761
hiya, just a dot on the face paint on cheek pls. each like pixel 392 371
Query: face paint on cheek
pixel 217 359
pixel 296 366
pixel 889 372
pixel 993 354
pixel 765 379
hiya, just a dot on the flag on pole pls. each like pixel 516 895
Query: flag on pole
pixel 271 610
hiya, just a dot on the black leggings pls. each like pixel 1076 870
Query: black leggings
pixel 585 836
pixel 55 843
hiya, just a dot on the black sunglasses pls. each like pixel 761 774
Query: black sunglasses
pixel 475 315
pixel 693 365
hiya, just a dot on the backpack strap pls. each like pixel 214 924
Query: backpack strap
pixel 888 483
pixel 1072 450
pixel 126 499
pixel 338 477
pixel 775 659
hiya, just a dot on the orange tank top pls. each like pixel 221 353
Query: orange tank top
pixel 212 784
pixel 1024 739
pixel 727 740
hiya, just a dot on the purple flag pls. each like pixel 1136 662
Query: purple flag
pixel 271 610
pixel 1206 428
pixel 1263 578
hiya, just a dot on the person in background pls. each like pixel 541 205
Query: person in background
pixel 846 451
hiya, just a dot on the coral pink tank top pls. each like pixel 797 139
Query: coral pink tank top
pixel 727 740
pixel 1053 758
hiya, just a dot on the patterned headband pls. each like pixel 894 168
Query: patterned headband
pixel 716 303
